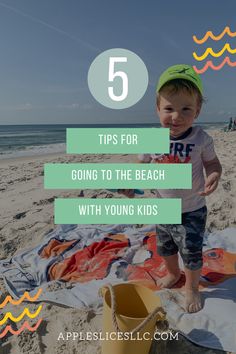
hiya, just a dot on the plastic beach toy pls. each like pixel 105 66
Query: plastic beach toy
pixel 133 310
pixel 136 191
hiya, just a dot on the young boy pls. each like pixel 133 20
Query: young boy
pixel 179 101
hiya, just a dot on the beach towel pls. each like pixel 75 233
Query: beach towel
pixel 74 261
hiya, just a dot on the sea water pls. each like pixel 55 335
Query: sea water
pixel 31 140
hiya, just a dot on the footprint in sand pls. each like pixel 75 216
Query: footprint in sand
pixel 44 201
pixel 227 186
pixel 20 215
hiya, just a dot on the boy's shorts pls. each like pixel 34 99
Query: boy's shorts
pixel 187 239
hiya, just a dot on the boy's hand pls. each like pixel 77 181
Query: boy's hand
pixel 213 171
pixel 211 184
pixel 127 192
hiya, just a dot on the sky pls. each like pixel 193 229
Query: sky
pixel 47 47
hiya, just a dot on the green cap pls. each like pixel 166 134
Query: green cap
pixel 180 71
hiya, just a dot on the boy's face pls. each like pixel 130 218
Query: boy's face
pixel 177 111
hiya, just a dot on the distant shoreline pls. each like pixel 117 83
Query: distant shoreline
pixel 104 124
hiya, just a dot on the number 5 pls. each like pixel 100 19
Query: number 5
pixel 121 74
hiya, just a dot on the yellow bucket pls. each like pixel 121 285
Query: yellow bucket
pixel 129 310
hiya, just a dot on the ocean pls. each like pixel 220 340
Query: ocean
pixel 32 140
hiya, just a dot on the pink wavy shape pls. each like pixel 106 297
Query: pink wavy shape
pixel 25 325
pixel 213 67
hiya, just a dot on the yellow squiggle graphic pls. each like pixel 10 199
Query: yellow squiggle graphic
pixel 216 55
pixel 210 64
pixel 215 38
pixel 17 319
pixel 25 325
pixel 18 302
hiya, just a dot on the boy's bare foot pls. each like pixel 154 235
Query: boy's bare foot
pixel 169 280
pixel 193 301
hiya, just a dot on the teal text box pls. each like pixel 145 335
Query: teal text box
pixel 117 211
pixel 123 140
pixel 117 176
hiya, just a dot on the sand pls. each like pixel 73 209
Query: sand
pixel 27 214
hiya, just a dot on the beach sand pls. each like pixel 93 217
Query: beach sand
pixel 27 214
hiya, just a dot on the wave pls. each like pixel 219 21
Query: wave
pixel 214 67
pixel 28 151
pixel 214 54
pixel 212 36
